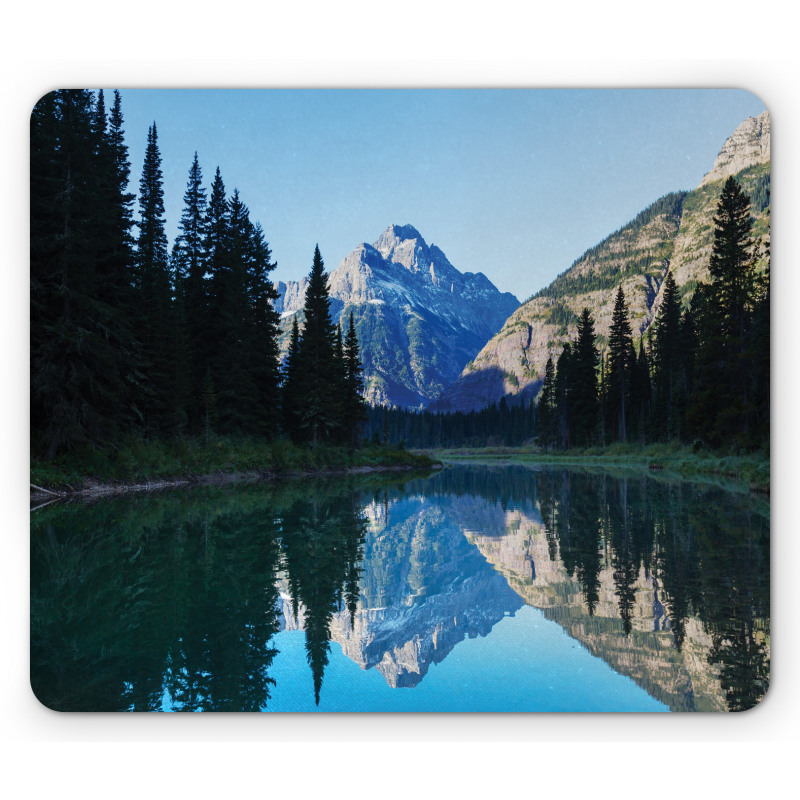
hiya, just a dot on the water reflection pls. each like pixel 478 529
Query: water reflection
pixel 176 601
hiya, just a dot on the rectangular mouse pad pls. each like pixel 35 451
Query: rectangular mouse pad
pixel 400 400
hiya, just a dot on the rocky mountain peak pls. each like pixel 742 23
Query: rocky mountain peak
pixel 419 320
pixel 748 145
pixel 403 244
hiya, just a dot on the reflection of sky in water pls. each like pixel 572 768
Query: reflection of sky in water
pixel 527 663
pixel 534 591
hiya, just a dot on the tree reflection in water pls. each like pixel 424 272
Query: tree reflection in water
pixel 172 601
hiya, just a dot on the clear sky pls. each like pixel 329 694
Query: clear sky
pixel 512 183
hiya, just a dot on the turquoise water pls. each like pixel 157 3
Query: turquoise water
pixel 479 588
pixel 527 663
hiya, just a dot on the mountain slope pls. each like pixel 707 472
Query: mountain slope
pixel 419 320
pixel 674 232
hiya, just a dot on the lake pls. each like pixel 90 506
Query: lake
pixel 475 588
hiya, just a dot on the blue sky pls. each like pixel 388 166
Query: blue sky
pixel 514 183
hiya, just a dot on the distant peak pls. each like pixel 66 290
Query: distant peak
pixel 402 233
pixel 405 232
pixel 748 145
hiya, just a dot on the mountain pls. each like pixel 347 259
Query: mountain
pixel 675 232
pixel 418 319
pixel 423 589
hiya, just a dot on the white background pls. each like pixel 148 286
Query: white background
pixel 680 44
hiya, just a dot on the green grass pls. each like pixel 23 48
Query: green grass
pixel 751 470
pixel 140 462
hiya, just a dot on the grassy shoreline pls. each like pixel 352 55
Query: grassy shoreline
pixel 146 465
pixel 752 470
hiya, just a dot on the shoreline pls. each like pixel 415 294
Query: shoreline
pixel 739 469
pixel 94 490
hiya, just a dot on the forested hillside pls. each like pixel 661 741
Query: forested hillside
pixel 674 234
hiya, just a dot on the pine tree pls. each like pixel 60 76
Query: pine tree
pixel 316 357
pixel 732 266
pixel 667 363
pixel 215 242
pixel 584 403
pixel 723 407
pixel 546 405
pixel 266 328
pixel 81 350
pixel 153 284
pixel 188 255
pixel 620 346
pixel 291 399
pixel 338 386
pixel 563 397
pixel 236 389
pixel 641 392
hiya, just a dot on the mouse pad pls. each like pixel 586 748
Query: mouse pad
pixel 289 454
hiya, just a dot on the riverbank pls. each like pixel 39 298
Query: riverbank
pixel 752 471
pixel 145 466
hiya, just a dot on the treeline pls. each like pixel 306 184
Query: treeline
pixel 700 375
pixel 508 424
pixel 130 337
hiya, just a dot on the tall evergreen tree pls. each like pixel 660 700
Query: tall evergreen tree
pixel 584 403
pixel 563 396
pixel 81 350
pixel 316 357
pixel 266 328
pixel 291 387
pixel 723 409
pixel 731 265
pixel 668 386
pixel 546 407
pixel 189 266
pixel 153 284
pixel 620 347
pixel 641 392
pixel 236 389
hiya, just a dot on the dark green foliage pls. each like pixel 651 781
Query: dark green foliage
pixel 291 398
pixel 727 405
pixel 669 388
pixel 132 601
pixel 354 413
pixel 620 369
pixel 126 339
pixel 732 268
pixel 562 316
pixel 546 408
pixel 584 410
pixel 318 368
pixel 84 354
pixel 189 266
pixel 155 329
pixel 513 423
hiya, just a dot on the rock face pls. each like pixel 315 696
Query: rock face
pixel 748 146
pixel 675 232
pixel 291 297
pixel 419 320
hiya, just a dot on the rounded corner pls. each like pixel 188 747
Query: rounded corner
pixel 39 699
pixel 40 98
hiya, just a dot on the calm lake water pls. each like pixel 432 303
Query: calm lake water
pixel 478 588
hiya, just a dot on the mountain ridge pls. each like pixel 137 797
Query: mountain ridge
pixel 673 233
pixel 419 319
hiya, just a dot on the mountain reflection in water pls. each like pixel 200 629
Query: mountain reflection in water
pixel 177 601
